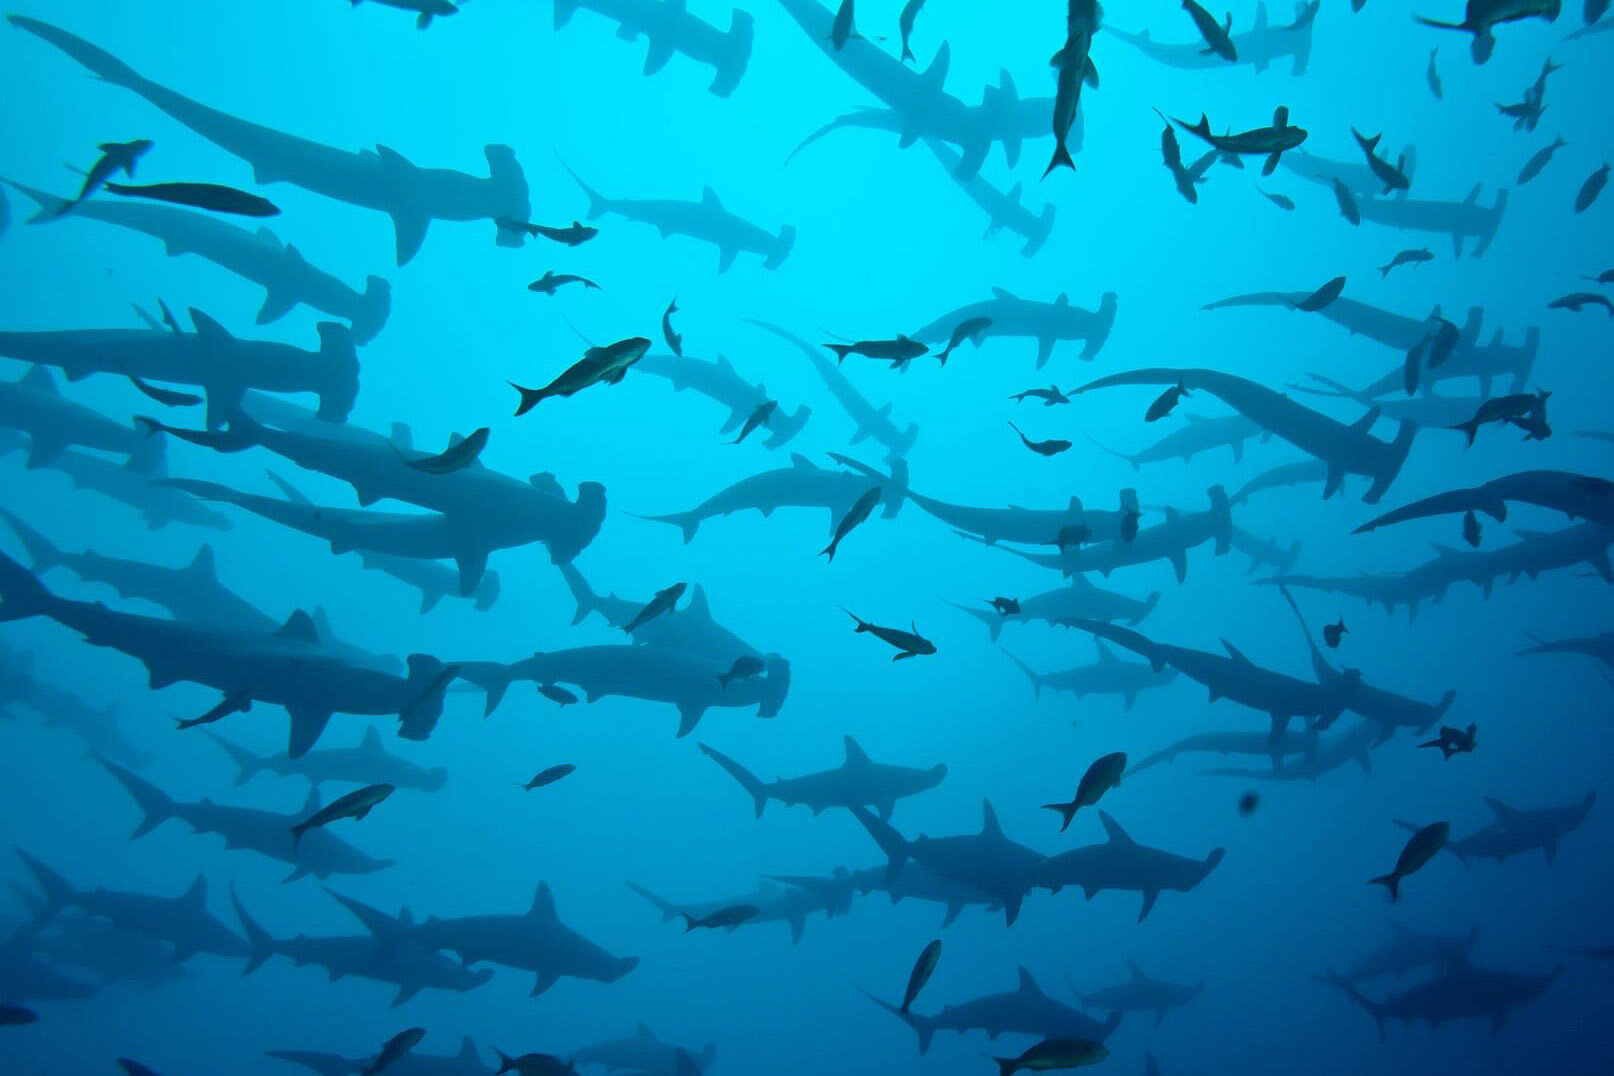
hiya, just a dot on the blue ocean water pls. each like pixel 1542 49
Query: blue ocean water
pixel 885 242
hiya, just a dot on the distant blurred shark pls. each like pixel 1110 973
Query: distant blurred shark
pixel 857 782
pixel 382 180
pixel 719 381
pixel 1046 323
pixel 668 28
pixel 1025 1010
pixel 1259 46
pixel 1122 863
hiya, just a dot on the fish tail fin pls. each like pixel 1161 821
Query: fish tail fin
pixel 747 779
pixel 529 398
pixel 1392 882
pixel 1066 812
pixel 1060 159
pixel 921 1026
pixel 841 351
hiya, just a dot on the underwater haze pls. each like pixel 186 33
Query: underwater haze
pixel 586 535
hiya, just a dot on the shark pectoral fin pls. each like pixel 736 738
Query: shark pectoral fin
pixel 1149 897
pixel 276 304
pixel 725 257
pixel 1045 350
pixel 306 727
pixel 409 225
pixel 1179 564
pixel 1011 909
pixel 544 981
pixel 405 992
pixel 689 715
pixel 1332 482
pixel 472 566
pixel 659 53
pixel 798 926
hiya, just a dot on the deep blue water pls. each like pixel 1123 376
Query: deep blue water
pixel 885 243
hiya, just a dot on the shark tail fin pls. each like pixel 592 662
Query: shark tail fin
pixel 41 550
pixel 687 522
pixel 747 779
pixel 583 594
pixel 668 912
pixel 247 764
pixel 1031 674
pixel 22 595
pixel 260 945
pixel 58 891
pixel 155 805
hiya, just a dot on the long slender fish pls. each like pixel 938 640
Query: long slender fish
pixel 1538 160
pixel 455 457
pixel 201 196
pixel 354 805
pixel 923 968
pixel 861 509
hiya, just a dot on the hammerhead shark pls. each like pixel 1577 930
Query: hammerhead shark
pixel 871 422
pixel 668 28
pixel 1258 47
pixel 1046 323
pixel 1346 449
pixel 857 782
pixel 719 381
pixel 383 179
pixel 288 279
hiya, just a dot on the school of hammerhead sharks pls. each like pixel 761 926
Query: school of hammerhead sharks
pixel 674 653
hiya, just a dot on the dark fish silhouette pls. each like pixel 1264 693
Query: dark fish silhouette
pixel 1577 300
pixel 1270 142
pixel 1005 606
pixel 907 643
pixel 744 667
pixel 1471 529
pixel 675 340
pixel 1051 447
pixel 1347 202
pixel 861 509
pixel 1539 160
pixel 1103 775
pixel 1407 257
pixel 1432 76
pixel 556 694
pixel 970 329
pixel 898 352
pixel 210 196
pixel 1527 410
pixel 355 805
pixel 552 281
pixel 1393 176
pixel 549 776
pixel 1282 201
pixel 1218 36
pixel 1322 297
pixel 1454 741
pixel 923 968
pixel 598 365
pixel 905 21
pixel 1590 189
pixel 456 457
pixel 726 918
pixel 16 1016
pixel 166 397
pixel 115 157
pixel 1482 17
pixel 404 1041
pixel 761 415
pixel 1054 1054
pixel 1333 632
pixel 663 602
pixel 1425 844
pixel 1049 396
pixel 1165 403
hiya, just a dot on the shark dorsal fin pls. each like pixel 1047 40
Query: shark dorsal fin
pixel 543 904
pixel 1280 116
pixel 1137 973
pixel 709 198
pixel 1235 653
pixel 855 755
pixel 1003 293
pixel 299 626
pixel 39 379
pixel 1062 299
pixel 207 329
pixel 371 744
pixel 989 821
pixel 697 606
pixel 1503 812
pixel 468 1054
pixel 1028 985
pixel 196 895
pixel 800 462
pixel 312 803
pixel 641 1030
pixel 202 565
pixel 935 75
pixel 1106 656
pixel 391 158
pixel 1113 830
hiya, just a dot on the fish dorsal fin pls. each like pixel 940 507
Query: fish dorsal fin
pixel 39 379
pixel 1280 116
pixel 1062 299
pixel 1003 293
pixel 698 606
pixel 1503 812
pixel 1365 423
pixel 855 755
pixel 1106 656
pixel 1028 985
pixel 989 821
pixel 935 75
pixel 196 895
pixel 202 564
pixel 543 904
pixel 207 329
pixel 1137 973
pixel 1074 506
pixel 710 199
pixel 299 626
pixel 371 744
pixel 800 462
pixel 468 1054
pixel 1113 830
pixel 641 1030
pixel 1235 653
